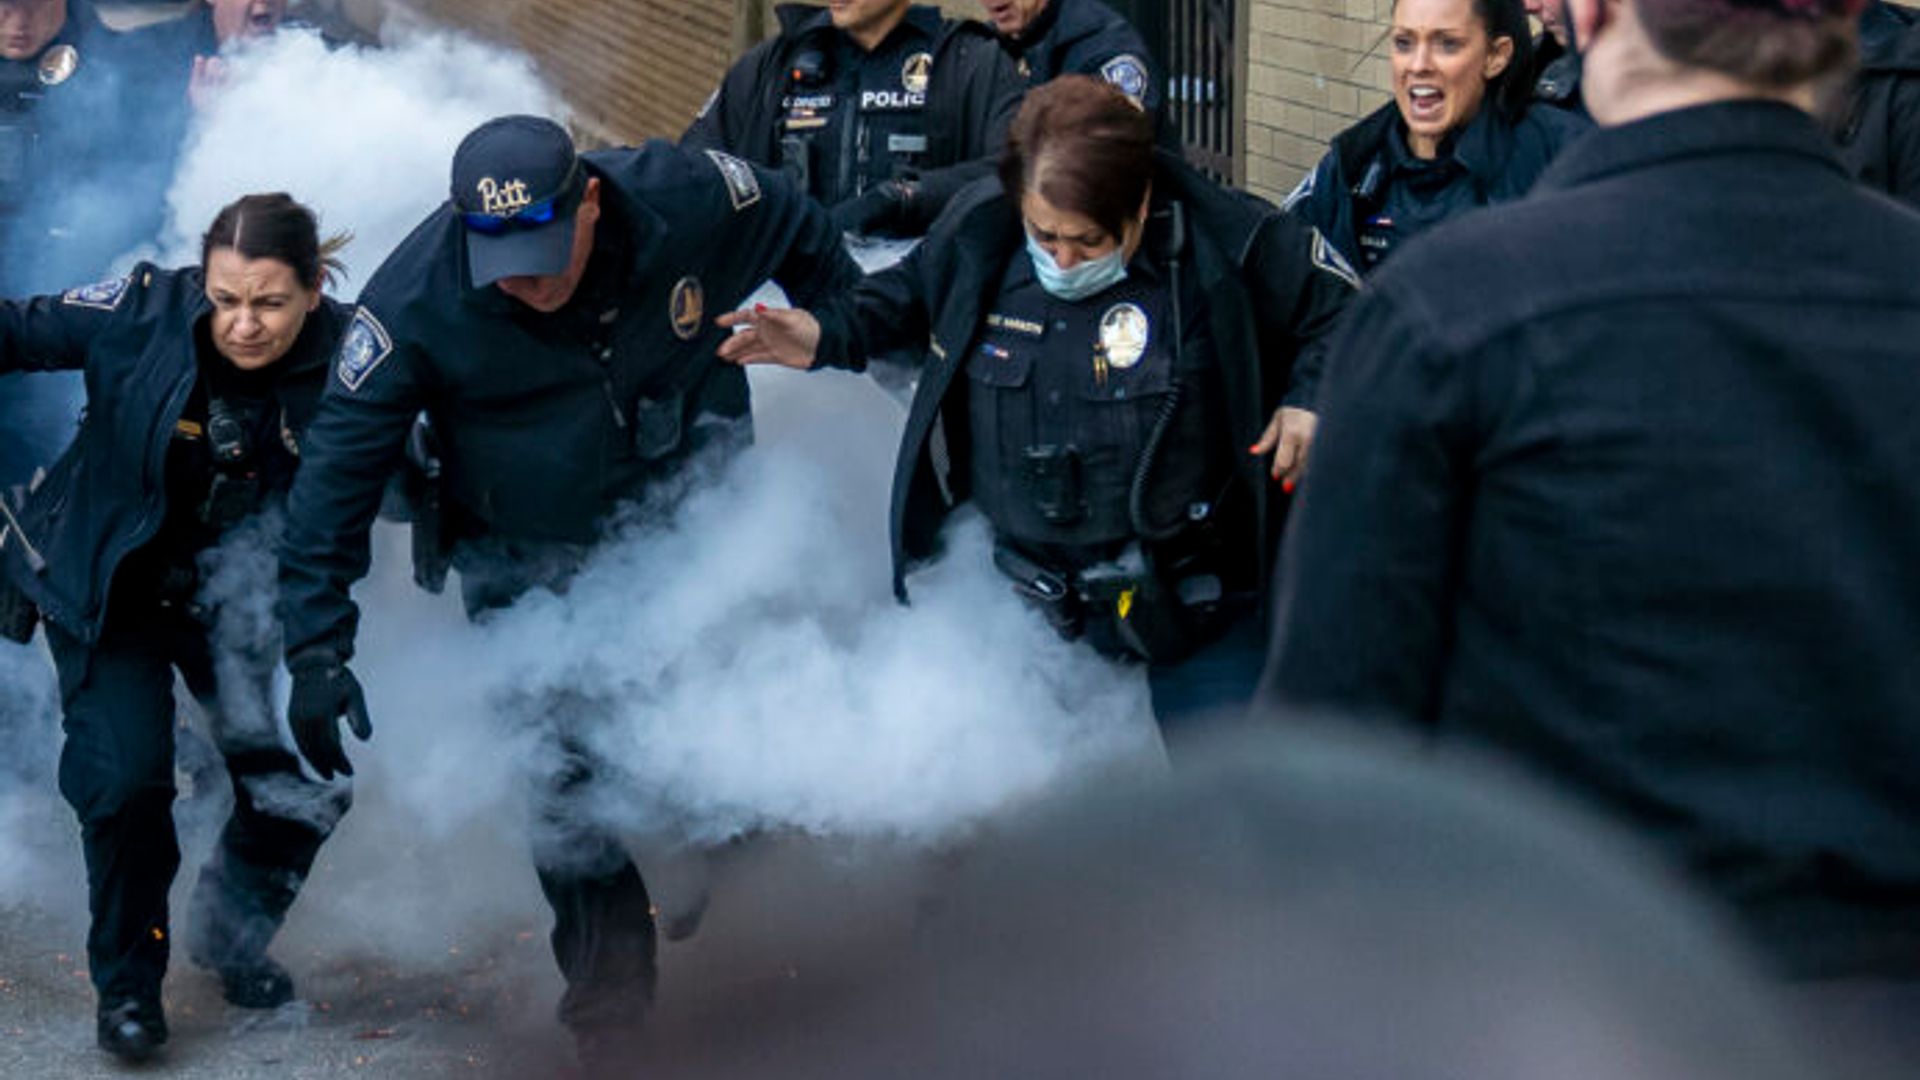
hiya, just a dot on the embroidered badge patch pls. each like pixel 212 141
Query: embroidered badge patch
pixel 366 344
pixel 104 295
pixel 687 308
pixel 742 186
pixel 1128 73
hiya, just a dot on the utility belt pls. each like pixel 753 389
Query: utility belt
pixel 1136 606
pixel 656 428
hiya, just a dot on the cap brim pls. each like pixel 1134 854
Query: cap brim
pixel 519 252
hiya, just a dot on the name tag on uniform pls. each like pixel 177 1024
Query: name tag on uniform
pixel 906 144
pixel 1016 325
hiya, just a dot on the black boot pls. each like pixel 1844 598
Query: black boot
pixel 131 1030
pixel 260 984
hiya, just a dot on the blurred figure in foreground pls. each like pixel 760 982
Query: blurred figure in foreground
pixel 1283 906
pixel 1639 506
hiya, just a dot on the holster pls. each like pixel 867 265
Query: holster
pixel 1123 608
pixel 423 481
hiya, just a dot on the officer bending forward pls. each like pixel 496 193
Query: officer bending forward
pixel 551 320
pixel 199 385
pixel 1110 334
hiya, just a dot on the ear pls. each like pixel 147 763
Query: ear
pixel 1499 56
pixel 589 211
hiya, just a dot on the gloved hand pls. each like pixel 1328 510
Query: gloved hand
pixel 880 211
pixel 323 690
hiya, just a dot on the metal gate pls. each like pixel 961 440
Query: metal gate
pixel 1197 44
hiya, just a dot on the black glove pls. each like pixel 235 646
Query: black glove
pixel 323 690
pixel 881 211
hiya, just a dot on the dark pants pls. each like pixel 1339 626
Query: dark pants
pixel 1211 689
pixel 116 770
pixel 603 929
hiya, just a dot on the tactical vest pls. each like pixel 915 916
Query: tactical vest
pixel 851 119
pixel 1065 400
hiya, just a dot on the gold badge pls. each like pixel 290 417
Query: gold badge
pixel 916 71
pixel 687 308
pixel 1123 335
pixel 58 64
pixel 503 200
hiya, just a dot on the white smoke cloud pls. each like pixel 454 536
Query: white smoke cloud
pixel 364 136
pixel 749 665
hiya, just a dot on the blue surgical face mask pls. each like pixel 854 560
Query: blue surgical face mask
pixel 1081 280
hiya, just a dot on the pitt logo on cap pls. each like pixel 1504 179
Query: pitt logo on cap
pixel 503 200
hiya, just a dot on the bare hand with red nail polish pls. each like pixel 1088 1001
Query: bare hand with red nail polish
pixel 1288 437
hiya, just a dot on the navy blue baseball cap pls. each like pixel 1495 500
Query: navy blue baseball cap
pixel 516 183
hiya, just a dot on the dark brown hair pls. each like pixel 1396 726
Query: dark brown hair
pixel 274 226
pixel 1775 44
pixel 1085 147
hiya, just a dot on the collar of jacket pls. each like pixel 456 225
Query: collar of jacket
pixel 1481 148
pixel 1036 31
pixel 1889 39
pixel 1727 127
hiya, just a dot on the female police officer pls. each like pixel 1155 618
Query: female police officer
pixel 1110 333
pixel 1639 504
pixel 1459 132
pixel 199 383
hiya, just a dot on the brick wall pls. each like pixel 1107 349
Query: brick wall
pixel 1313 68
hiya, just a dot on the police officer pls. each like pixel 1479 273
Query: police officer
pixel 1878 122
pixel 58 98
pixel 200 385
pixel 1458 134
pixel 1051 38
pixel 879 109
pixel 1638 504
pixel 554 321
pixel 1107 343
pixel 1556 71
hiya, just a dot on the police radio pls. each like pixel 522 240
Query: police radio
pixel 235 491
pixel 810 68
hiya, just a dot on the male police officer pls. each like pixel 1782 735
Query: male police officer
pixel 1052 38
pixel 58 90
pixel 1556 70
pixel 879 109
pixel 552 320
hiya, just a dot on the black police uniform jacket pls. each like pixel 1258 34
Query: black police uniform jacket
pixel 536 424
pixel 1879 125
pixel 1640 505
pixel 107 496
pixel 1498 160
pixel 1556 75
pixel 973 91
pixel 1273 293
pixel 1086 37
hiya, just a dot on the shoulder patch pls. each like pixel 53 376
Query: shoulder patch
pixel 104 295
pixel 742 186
pixel 365 345
pixel 1129 73
pixel 1301 190
pixel 1328 258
